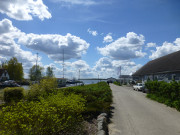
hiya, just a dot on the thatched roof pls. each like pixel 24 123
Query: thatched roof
pixel 167 63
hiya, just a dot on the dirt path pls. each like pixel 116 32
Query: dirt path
pixel 134 114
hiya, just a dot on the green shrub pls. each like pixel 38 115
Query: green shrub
pixel 117 83
pixel 163 92
pixel 14 94
pixel 44 88
pixel 57 114
pixel 98 96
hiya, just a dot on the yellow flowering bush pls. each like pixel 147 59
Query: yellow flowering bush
pixel 57 114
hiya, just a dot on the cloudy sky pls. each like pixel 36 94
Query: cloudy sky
pixel 97 37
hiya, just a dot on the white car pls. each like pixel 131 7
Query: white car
pixel 139 87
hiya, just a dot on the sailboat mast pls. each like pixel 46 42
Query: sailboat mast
pixel 63 63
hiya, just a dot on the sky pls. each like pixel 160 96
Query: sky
pixel 102 38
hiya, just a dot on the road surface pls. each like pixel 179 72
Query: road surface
pixel 134 114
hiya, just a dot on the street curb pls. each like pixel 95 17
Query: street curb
pixel 102 124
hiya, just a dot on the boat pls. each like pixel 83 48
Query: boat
pixel 9 83
pixel 61 82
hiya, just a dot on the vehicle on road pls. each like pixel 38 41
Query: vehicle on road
pixel 139 87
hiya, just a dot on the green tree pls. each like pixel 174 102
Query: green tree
pixel 35 73
pixel 15 69
pixel 49 72
pixel 4 65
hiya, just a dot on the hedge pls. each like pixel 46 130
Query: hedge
pixel 13 94
pixel 43 89
pixel 57 114
pixel 98 96
pixel 117 83
pixel 163 92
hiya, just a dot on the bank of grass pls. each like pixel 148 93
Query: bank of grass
pixel 163 92
pixel 48 110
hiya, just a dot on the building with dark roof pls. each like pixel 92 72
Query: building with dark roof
pixel 165 68
pixel 125 79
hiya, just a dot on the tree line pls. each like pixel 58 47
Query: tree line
pixel 15 70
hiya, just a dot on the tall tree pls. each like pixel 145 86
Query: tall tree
pixel 49 72
pixel 35 73
pixel 15 69
pixel 4 65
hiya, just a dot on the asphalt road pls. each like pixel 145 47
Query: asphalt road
pixel 134 114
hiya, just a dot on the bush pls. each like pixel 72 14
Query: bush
pixel 43 89
pixel 57 114
pixel 117 83
pixel 98 96
pixel 14 94
pixel 163 92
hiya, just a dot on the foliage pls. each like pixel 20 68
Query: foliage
pixel 49 72
pixel 15 69
pixel 117 83
pixel 23 82
pixel 57 114
pixel 4 65
pixel 35 73
pixel 44 88
pixel 98 96
pixel 167 93
pixel 49 110
pixel 14 94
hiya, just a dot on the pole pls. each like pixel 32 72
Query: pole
pixel 79 74
pixel 63 63
pixel 36 65
pixel 36 60
pixel 98 77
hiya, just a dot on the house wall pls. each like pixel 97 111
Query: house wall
pixel 4 76
pixel 167 77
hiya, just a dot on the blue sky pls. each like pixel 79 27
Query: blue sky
pixel 97 36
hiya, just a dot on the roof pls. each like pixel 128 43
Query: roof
pixel 125 76
pixel 167 63
pixel 2 71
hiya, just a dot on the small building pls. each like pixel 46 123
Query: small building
pixel 4 75
pixel 165 68
pixel 125 79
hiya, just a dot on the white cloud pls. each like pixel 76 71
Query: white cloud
pixel 72 69
pixel 77 2
pixel 9 48
pixel 124 48
pixel 165 49
pixel 12 39
pixel 107 67
pixel 54 45
pixel 24 9
pixel 80 64
pixel 108 38
pixel 92 32
pixel 151 44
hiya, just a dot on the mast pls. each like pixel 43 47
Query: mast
pixel 79 74
pixel 63 63
pixel 36 66
pixel 36 60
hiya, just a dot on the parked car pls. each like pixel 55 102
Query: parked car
pixel 139 87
